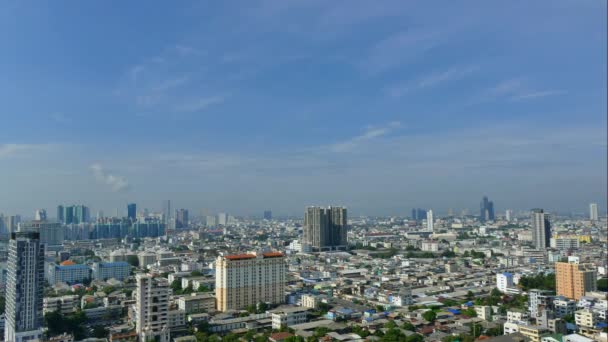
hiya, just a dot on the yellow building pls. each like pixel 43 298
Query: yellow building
pixel 573 279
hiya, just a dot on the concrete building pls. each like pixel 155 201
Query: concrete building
pixel 146 259
pixel 51 233
pixel 484 312
pixel 539 300
pixel 68 272
pixel 247 279
pixel 24 288
pixel 563 306
pixel 64 304
pixel 593 214
pixel 325 228
pixel 111 270
pixel 310 301
pixel 151 308
pixel 504 281
pixel 289 316
pixel 565 242
pixel 430 221
pixel 541 229
pixel 197 303
pixel 574 279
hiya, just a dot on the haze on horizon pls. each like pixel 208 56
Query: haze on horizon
pixel 274 104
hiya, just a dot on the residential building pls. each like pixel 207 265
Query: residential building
pixel 197 303
pixel 248 279
pixel 565 242
pixel 310 301
pixel 325 228
pixel 132 211
pixel 574 279
pixel 68 272
pixel 541 229
pixel 287 317
pixel 563 306
pixel 24 288
pixel 111 270
pixel 64 304
pixel 176 318
pixel 593 214
pixel 430 221
pixel 539 300
pixel 151 308
pixel 484 312
pixel 517 316
pixel 51 233
pixel 504 281
pixel 267 215
pixel 532 333
pixel 181 218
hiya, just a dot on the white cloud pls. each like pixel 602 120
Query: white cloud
pixel 200 104
pixel 370 134
pixel 433 79
pixel 538 94
pixel 116 183
pixel 18 150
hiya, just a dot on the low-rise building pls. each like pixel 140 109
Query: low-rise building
pixel 197 302
pixel 64 304
pixel 286 317
pixel 119 270
pixel 68 272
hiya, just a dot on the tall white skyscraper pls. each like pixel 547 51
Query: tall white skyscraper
pixel 593 215
pixel 24 287
pixel 40 215
pixel 430 224
pixel 222 219
pixel 508 215
pixel 151 308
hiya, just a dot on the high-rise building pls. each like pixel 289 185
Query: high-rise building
pixel 24 288
pixel 222 219
pixel 508 215
pixel 40 215
pixel 60 214
pixel 325 228
pixel 593 215
pixel 486 210
pixel 418 214
pixel 151 308
pixel 51 233
pixel 573 279
pixel 268 215
pixel 430 223
pixel 181 218
pixel 248 279
pixel 132 211
pixel 167 211
pixel 541 229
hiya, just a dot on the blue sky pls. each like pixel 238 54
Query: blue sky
pixel 245 105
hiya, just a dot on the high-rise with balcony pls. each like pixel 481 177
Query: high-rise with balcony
pixel 574 279
pixel 25 283
pixel 151 308
pixel 325 228
pixel 248 279
pixel 541 229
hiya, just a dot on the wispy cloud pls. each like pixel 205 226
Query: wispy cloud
pixel 515 89
pixel 538 94
pixel 17 150
pixel 432 80
pixel 370 134
pixel 61 118
pixel 200 104
pixel 115 182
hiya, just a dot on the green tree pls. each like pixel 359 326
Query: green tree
pixel 602 285
pixel 408 326
pixel 470 312
pixel 390 325
pixel 133 260
pixel 100 331
pixel 429 316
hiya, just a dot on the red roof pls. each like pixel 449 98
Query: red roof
pixel 280 336
pixel 239 256
pixel 273 255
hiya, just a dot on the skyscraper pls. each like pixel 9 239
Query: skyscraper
pixel 50 233
pixel 593 215
pixel 247 279
pixel 167 211
pixel 222 219
pixel 325 228
pixel 486 210
pixel 60 214
pixel 430 224
pixel 24 288
pixel 268 215
pixel 73 214
pixel 508 215
pixel 573 279
pixel 418 214
pixel 40 215
pixel 152 307
pixel 181 218
pixel 132 211
pixel 541 229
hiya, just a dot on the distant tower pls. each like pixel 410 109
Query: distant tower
pixel 593 215
pixel 508 215
pixel 40 215
pixel 24 288
pixel 486 210
pixel 268 215
pixel 541 229
pixel 132 211
pixel 60 214
pixel 325 228
pixel 429 220
pixel 450 212
pixel 167 211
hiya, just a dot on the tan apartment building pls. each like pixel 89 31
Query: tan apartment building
pixel 574 279
pixel 246 279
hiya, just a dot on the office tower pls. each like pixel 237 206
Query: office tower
pixel 418 214
pixel 268 215
pixel 167 211
pixel 486 210
pixel 181 218
pixel 222 219
pixel 132 211
pixel 60 214
pixel 99 215
pixel 24 288
pixel 51 233
pixel 573 279
pixel 593 215
pixel 541 229
pixel 450 212
pixel 429 221
pixel 325 228
pixel 248 279
pixel 508 215
pixel 151 308
pixel 40 215
pixel 11 223
pixel 210 221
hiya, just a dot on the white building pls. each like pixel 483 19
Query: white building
pixel 68 272
pixel 593 214
pixel 484 312
pixel 196 303
pixel 24 287
pixel 430 246
pixel 64 304
pixel 310 301
pixel 111 270
pixel 429 221
pixel 289 316
pixel 151 308
pixel 504 281
pixel 563 306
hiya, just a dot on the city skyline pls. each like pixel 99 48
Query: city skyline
pixel 379 108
